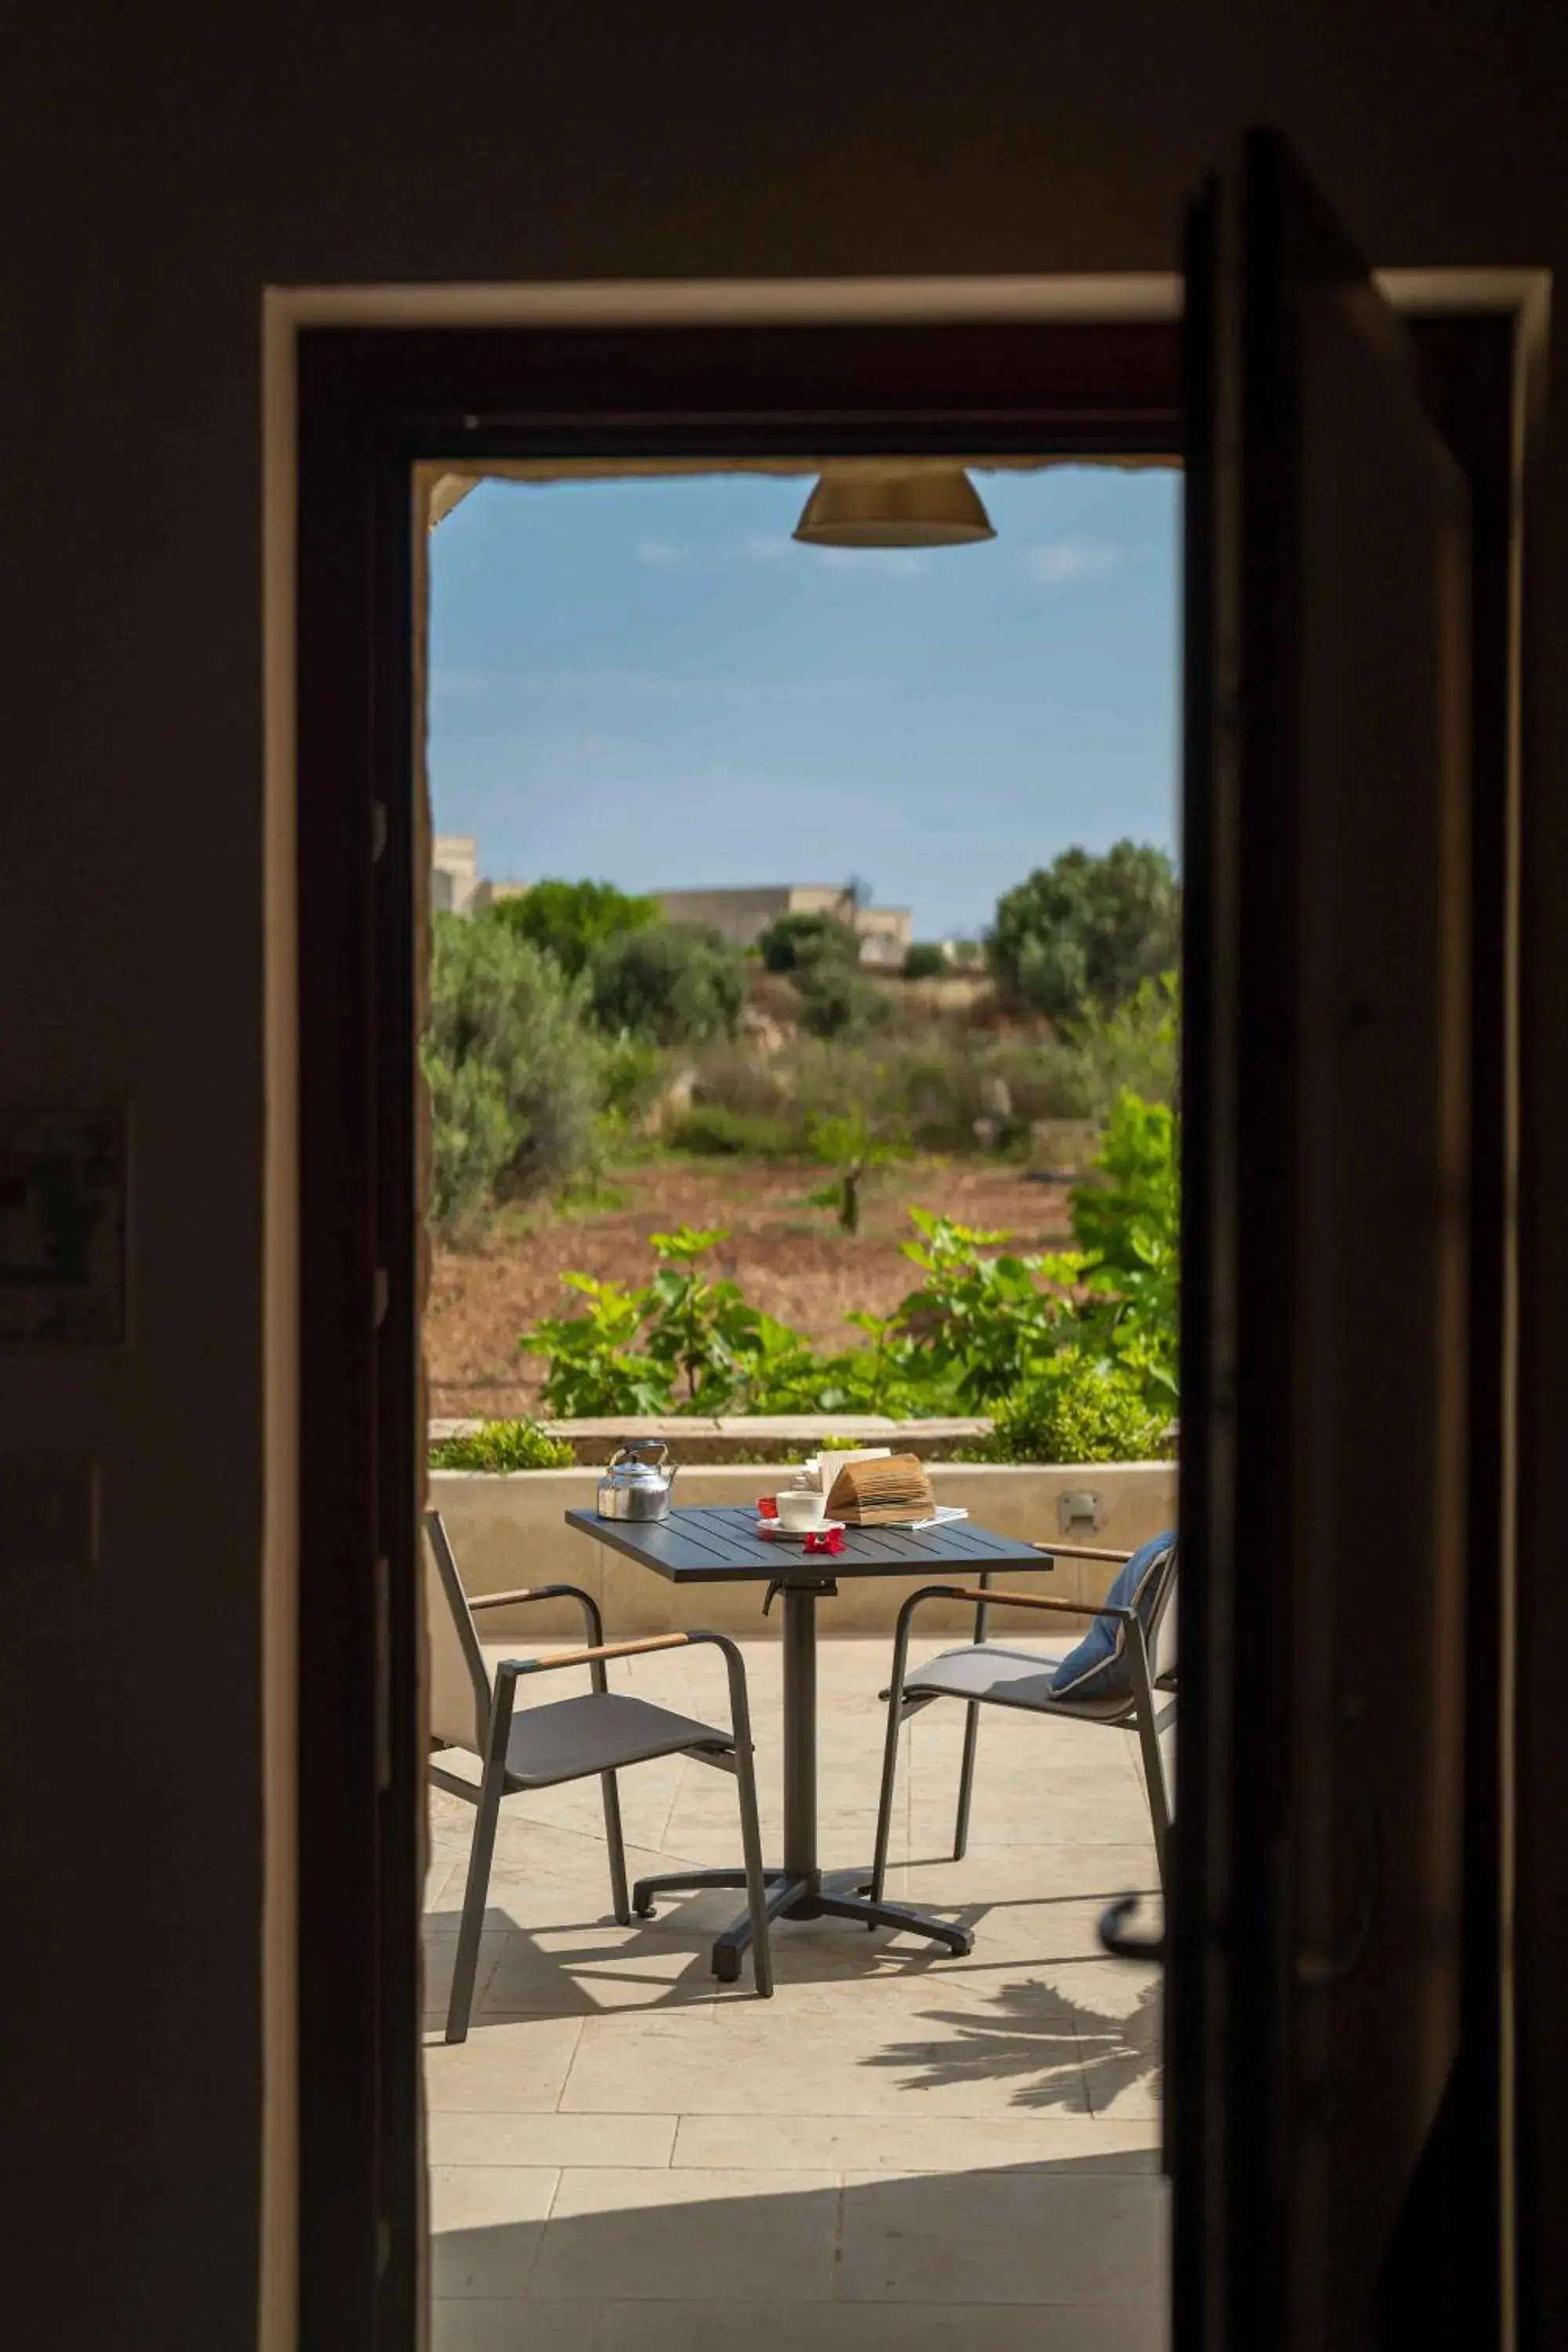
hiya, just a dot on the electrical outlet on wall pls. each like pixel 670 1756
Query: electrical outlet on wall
pixel 1078 1513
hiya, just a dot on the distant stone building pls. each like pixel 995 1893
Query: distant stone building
pixel 457 887
pixel 884 934
pixel 743 916
pixel 454 873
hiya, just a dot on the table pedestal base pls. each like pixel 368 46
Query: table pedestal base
pixel 798 1895
pixel 800 1890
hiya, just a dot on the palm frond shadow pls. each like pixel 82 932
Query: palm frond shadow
pixel 1055 2047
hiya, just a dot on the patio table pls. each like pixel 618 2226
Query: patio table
pixel 721 1545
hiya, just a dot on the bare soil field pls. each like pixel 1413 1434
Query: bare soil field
pixel 790 1258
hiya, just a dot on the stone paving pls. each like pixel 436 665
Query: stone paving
pixel 899 2149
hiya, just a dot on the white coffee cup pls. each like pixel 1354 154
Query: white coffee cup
pixel 800 1508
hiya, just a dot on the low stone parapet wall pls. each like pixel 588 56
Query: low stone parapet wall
pixel 510 1531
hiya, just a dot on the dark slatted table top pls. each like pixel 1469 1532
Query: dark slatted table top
pixel 718 1544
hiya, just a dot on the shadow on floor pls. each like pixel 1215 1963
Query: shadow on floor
pixel 667 1958
pixel 920 2261
pixel 1055 2046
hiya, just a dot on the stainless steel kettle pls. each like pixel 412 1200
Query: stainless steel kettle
pixel 636 1485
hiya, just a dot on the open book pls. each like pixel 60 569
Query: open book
pixel 875 1493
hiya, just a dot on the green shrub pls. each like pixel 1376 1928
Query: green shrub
pixel 744 1102
pixel 472 1137
pixel 513 1075
pixel 596 1365
pixel 1137 1186
pixel 572 920
pixel 1081 934
pixel 890 1376
pixel 1132 1049
pixel 732 1073
pixel 718 1133
pixel 695 1335
pixel 1076 1353
pixel 670 984
pixel 503 1445
pixel 1045 1078
pixel 836 999
pixel 794 943
pixel 1078 1408
pixel 924 960
pixel 985 1321
pixel 934 1083
pixel 1128 1229
pixel 685 1342
pixel 850 1145
pixel 931 1083
pixel 633 1075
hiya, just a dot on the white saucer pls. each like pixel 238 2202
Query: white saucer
pixel 778 1530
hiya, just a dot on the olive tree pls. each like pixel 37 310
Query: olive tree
pixel 513 1070
pixel 1082 934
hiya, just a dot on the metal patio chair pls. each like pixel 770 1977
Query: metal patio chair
pixel 570 1739
pixel 988 1674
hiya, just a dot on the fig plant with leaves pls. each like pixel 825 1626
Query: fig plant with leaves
pixel 851 1147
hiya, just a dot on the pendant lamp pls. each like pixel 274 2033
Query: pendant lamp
pixel 922 505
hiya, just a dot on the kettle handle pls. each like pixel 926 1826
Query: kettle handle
pixel 638 1449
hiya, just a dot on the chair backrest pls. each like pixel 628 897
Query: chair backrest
pixel 1156 1590
pixel 1161 1633
pixel 1097 1670
pixel 1159 1625
pixel 459 1680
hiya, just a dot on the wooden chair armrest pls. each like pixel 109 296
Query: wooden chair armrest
pixel 1084 1552
pixel 504 1599
pixel 1050 1601
pixel 512 1666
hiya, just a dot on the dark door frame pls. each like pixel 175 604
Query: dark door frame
pixel 1467 370
pixel 372 402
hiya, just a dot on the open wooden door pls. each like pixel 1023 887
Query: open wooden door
pixel 1315 1942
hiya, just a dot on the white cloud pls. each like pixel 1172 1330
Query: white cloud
pixel 1058 563
pixel 892 562
pixel 663 553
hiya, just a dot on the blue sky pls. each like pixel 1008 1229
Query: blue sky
pixel 650 683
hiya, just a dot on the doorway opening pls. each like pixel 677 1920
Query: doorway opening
pixel 744 1088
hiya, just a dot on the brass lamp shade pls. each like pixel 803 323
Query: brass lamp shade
pixel 927 507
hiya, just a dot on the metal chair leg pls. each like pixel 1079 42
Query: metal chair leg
pixel 613 1838
pixel 971 1734
pixel 965 1782
pixel 475 1894
pixel 1149 1742
pixel 616 1841
pixel 890 1750
pixel 750 1832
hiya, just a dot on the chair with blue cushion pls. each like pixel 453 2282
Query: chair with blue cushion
pixel 1110 1678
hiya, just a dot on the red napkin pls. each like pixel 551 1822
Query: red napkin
pixel 766 1507
pixel 832 1541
